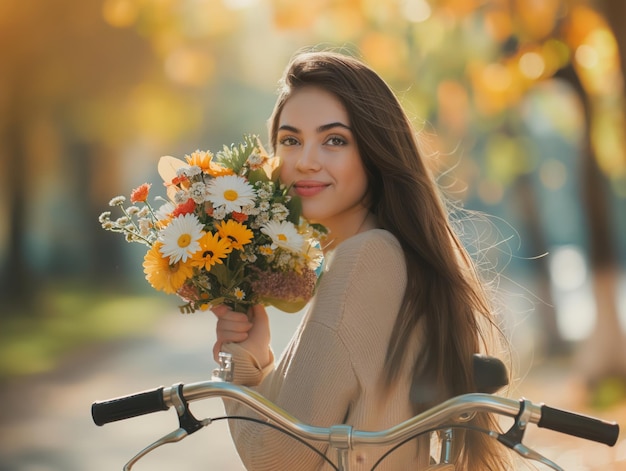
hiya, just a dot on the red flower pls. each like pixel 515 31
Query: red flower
pixel 239 217
pixel 140 194
pixel 184 208
pixel 179 180
pixel 208 208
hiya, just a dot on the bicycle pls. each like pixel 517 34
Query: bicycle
pixel 440 421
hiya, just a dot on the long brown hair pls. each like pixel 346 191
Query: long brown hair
pixel 443 291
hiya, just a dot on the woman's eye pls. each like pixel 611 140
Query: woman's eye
pixel 336 141
pixel 288 141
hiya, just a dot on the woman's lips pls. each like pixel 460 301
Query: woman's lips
pixel 309 188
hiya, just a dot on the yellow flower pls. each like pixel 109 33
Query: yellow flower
pixel 161 275
pixel 212 250
pixel 238 234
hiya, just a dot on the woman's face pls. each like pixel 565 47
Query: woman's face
pixel 320 158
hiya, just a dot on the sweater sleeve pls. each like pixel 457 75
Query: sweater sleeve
pixel 317 379
pixel 315 383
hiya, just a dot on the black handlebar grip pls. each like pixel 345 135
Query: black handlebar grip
pixel 580 426
pixel 125 407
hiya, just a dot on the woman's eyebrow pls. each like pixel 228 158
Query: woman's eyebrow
pixel 322 128
pixel 286 127
pixel 336 124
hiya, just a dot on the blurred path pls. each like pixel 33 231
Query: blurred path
pixel 45 421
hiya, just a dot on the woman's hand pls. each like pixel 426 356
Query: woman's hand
pixel 251 333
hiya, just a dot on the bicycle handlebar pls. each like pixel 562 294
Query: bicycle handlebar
pixel 125 407
pixel 580 426
pixel 158 399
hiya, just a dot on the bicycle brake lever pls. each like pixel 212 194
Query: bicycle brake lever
pixel 188 424
pixel 172 437
pixel 530 454
pixel 513 438
pixel 186 420
pixel 515 434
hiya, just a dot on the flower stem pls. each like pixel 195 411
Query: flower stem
pixel 241 307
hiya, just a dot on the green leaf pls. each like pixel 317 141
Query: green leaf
pixel 235 156
pixel 295 210
pixel 290 307
pixel 319 228
pixel 257 175
pixel 222 274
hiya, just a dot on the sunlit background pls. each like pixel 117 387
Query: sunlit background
pixel 519 105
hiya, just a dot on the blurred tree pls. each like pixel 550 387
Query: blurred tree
pixel 604 352
pixel 53 77
pixel 603 355
pixel 583 31
pixel 574 24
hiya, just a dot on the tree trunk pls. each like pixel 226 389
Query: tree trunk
pixel 17 283
pixel 615 14
pixel 550 342
pixel 603 354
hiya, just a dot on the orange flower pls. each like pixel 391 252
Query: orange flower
pixel 140 194
pixel 238 234
pixel 218 170
pixel 161 275
pixel 204 160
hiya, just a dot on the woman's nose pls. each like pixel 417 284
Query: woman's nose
pixel 308 159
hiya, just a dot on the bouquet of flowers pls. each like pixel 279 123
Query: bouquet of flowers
pixel 228 232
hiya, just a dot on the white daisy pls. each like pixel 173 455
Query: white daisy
pixel 283 234
pixel 180 238
pixel 232 192
pixel 165 210
pixel 239 294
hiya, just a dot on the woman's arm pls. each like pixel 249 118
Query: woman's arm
pixel 316 380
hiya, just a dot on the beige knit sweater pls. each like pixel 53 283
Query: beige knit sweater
pixel 331 372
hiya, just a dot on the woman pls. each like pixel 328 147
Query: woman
pixel 400 309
